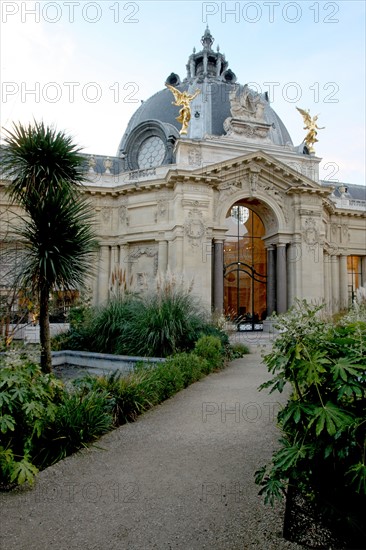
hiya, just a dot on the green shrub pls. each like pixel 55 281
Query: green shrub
pixel 191 367
pixel 235 351
pixel 210 348
pixel 79 419
pixel 211 330
pixel 111 323
pixel 44 421
pixel 163 325
pixel 27 398
pixel 74 339
pixel 168 378
pixel 322 450
pixel 153 325
pixel 132 394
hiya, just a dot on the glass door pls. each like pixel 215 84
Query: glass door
pixel 245 269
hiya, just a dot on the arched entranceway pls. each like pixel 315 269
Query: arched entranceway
pixel 245 268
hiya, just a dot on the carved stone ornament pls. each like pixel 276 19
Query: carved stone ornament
pixel 162 208
pixel 310 232
pixel 123 214
pixel 269 219
pixel 253 180
pixel 194 227
pixel 194 156
pixel 334 227
pixel 344 233
pixel 226 189
pixel 106 213
pixel 107 163
pixel 246 104
pixel 140 174
pixel 249 130
pixel 92 163
pixel 149 251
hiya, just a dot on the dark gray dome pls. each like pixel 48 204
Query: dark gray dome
pixel 208 71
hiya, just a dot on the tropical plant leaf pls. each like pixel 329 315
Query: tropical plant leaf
pixel 331 418
pixel 295 411
pixel 289 455
pixel 344 368
pixel 23 471
pixel 358 473
pixel 6 423
pixel 272 489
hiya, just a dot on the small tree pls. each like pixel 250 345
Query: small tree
pixel 44 168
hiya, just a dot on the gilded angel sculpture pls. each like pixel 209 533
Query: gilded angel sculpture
pixel 184 99
pixel 311 125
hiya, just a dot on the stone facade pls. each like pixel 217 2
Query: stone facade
pixel 169 210
pixel 176 218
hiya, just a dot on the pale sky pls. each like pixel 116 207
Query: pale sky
pixel 85 66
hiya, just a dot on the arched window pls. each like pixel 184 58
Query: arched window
pixel 245 268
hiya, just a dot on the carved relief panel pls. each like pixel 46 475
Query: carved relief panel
pixel 162 208
pixel 123 216
pixel 195 228
pixel 143 265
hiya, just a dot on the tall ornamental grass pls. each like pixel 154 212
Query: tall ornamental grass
pixel 156 324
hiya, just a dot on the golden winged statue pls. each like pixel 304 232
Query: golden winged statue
pixel 184 99
pixel 312 127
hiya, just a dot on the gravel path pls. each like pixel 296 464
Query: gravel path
pixel 181 477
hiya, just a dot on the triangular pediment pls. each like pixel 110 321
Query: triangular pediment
pixel 266 166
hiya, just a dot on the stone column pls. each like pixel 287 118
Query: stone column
pixel 335 283
pixel 326 280
pixel 291 278
pixel 95 280
pixel 271 280
pixel 218 278
pixel 163 257
pixel 281 278
pixel 363 269
pixel 103 275
pixel 343 282
pixel 123 263
pixel 115 255
pixel 123 256
pixel 178 245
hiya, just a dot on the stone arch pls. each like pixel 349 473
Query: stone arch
pixel 267 209
pixel 271 214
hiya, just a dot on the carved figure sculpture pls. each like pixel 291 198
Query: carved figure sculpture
pixel 184 99
pixel 248 105
pixel 311 125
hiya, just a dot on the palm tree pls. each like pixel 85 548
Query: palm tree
pixel 44 168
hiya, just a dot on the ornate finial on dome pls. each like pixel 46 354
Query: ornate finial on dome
pixel 194 50
pixel 218 48
pixel 207 39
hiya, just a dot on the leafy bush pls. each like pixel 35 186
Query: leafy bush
pixel 153 325
pixel 167 378
pixel 44 421
pixel 162 325
pixel 110 323
pixel 79 419
pixel 322 450
pixel 210 348
pixel 235 351
pixel 191 367
pixel 27 398
pixel 132 395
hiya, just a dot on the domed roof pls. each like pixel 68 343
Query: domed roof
pixel 207 71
